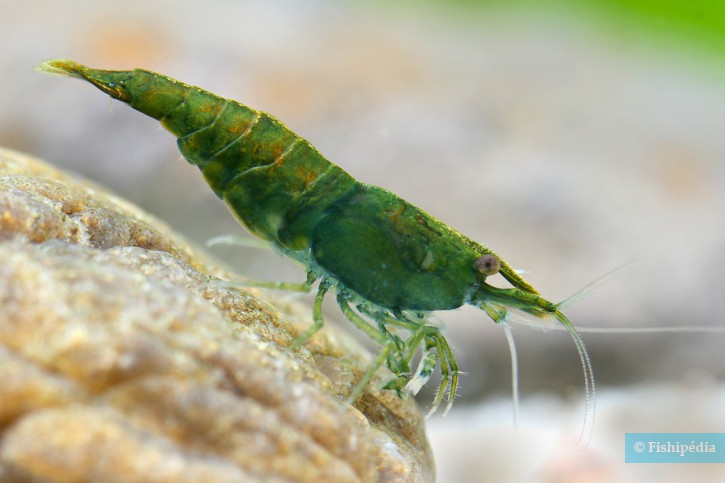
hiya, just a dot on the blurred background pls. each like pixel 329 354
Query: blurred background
pixel 570 137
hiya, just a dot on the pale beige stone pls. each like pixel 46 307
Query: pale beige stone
pixel 119 361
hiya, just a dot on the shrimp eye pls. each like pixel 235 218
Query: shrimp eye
pixel 487 265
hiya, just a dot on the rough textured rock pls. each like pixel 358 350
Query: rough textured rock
pixel 119 361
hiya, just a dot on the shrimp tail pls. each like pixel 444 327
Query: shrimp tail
pixel 150 93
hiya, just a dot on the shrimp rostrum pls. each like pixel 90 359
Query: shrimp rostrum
pixel 389 263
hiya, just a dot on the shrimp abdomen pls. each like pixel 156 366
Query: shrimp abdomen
pixel 275 182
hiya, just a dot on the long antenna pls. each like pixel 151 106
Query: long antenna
pixel 599 281
pixel 514 371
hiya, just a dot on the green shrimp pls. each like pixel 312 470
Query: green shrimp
pixel 390 264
